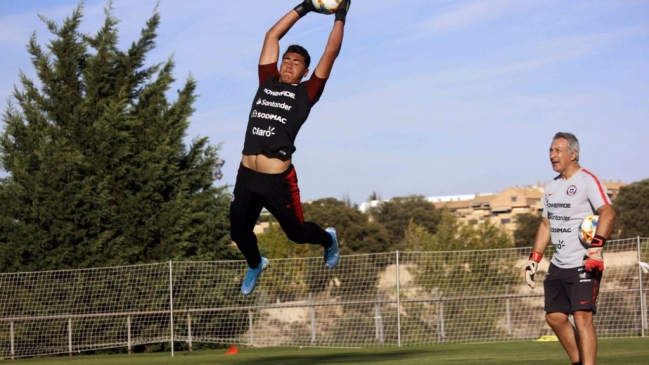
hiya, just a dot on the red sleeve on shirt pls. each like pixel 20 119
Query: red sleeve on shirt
pixel 599 196
pixel 314 87
pixel 267 71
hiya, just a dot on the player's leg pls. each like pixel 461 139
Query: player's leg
pixel 557 308
pixel 245 208
pixel 587 336
pixel 283 201
pixel 584 289
pixel 560 324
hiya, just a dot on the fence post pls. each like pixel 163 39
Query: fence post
pixel 643 304
pixel 69 336
pixel 312 316
pixel 398 304
pixel 509 312
pixel 11 335
pixel 171 308
pixel 129 344
pixel 439 310
pixel 189 330
pixel 378 319
pixel 252 339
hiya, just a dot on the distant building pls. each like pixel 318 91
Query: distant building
pixel 500 208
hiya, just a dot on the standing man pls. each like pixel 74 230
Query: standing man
pixel 266 177
pixel 572 282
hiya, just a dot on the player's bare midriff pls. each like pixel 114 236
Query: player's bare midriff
pixel 264 164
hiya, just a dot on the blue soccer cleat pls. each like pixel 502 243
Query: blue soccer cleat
pixel 332 253
pixel 250 281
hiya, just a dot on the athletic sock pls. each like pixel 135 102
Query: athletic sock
pixel 576 363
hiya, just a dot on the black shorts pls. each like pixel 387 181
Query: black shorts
pixel 569 290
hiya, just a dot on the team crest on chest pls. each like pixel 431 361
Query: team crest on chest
pixel 572 190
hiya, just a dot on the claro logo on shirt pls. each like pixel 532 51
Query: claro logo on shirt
pixel 277 118
pixel 263 133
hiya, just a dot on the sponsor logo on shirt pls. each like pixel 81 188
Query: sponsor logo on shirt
pixel 274 104
pixel 263 133
pixel 287 94
pixel 277 118
pixel 561 230
pixel 554 217
pixel 558 205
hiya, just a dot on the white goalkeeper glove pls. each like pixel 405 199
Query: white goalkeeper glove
pixel 593 259
pixel 530 268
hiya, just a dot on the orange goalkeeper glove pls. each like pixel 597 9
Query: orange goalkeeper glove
pixel 593 260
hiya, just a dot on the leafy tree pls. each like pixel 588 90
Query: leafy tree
pixel 275 245
pixel 469 270
pixel 453 234
pixel 528 224
pixel 632 208
pixel 99 173
pixel 417 238
pixel 396 214
pixel 355 233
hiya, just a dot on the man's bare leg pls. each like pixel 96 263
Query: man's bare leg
pixel 587 336
pixel 565 332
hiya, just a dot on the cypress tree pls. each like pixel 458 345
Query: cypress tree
pixel 99 172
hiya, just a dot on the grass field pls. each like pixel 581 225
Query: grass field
pixel 620 351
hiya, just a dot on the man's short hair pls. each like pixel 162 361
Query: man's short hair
pixel 573 143
pixel 294 48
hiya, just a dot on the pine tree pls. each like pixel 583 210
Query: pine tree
pixel 99 173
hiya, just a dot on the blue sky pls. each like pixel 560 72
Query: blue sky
pixel 428 97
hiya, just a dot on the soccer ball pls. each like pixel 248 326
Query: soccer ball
pixel 587 229
pixel 326 6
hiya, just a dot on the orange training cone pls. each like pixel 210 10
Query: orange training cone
pixel 232 351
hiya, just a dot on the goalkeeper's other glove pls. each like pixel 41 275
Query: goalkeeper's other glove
pixel 304 8
pixel 530 268
pixel 341 12
pixel 593 259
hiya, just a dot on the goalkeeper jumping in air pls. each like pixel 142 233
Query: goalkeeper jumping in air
pixel 266 176
pixel 572 282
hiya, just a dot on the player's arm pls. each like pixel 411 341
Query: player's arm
pixel 334 43
pixel 593 260
pixel 541 241
pixel 270 49
pixel 606 220
pixel 542 238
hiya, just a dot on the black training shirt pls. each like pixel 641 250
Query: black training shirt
pixel 278 112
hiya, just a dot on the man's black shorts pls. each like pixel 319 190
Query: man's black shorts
pixel 569 290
